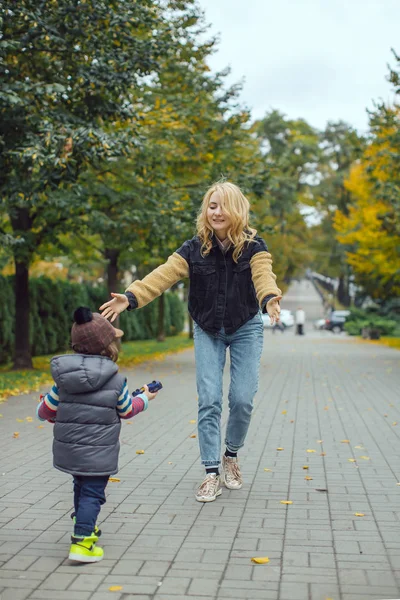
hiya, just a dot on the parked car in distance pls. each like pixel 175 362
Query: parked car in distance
pixel 286 318
pixel 336 320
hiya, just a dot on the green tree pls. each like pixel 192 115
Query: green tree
pixel 70 79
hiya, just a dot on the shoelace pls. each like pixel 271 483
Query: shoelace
pixel 234 471
pixel 208 484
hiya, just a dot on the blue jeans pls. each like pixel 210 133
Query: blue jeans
pixel 89 496
pixel 210 351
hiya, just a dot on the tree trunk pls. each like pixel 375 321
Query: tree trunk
pixel 22 349
pixel 160 324
pixel 21 222
pixel 343 291
pixel 112 257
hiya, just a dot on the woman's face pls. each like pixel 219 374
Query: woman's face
pixel 217 218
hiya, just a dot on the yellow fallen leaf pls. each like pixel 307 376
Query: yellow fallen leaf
pixel 260 560
pixel 193 421
pixel 398 483
pixel 280 448
pixel 319 441
pixel 284 412
pixel 305 467
pixel 267 469
pixel 310 450
pixel 358 447
pixel 365 457
pixel 351 459
pixel 170 463
pixel 29 419
pixel 40 426
pixel 394 423
pixel 128 422
pixel 20 420
pixel 359 514
pixel 115 588
pixel 15 434
pixel 286 501
pixel 113 479
pixel 193 435
pixel 307 478
pixel 139 451
pixel 345 441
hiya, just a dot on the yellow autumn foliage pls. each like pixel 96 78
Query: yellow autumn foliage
pixel 375 254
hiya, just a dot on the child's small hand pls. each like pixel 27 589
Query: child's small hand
pixel 150 395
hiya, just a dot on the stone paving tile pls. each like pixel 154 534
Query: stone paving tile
pixel 159 543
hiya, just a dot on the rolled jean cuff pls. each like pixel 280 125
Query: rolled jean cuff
pixel 211 463
pixel 232 447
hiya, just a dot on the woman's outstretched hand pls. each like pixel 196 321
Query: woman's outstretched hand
pixel 274 310
pixel 114 307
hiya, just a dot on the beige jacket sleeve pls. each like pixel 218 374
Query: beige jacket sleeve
pixel 159 280
pixel 263 277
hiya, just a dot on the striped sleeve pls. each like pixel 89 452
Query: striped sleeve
pixel 128 406
pixel 47 409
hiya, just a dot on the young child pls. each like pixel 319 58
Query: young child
pixel 86 405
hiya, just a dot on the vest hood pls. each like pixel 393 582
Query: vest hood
pixel 82 373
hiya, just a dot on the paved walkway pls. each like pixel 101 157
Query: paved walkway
pixel 328 402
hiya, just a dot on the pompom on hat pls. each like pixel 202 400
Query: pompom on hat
pixel 91 333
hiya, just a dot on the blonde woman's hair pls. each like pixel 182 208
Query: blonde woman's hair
pixel 236 205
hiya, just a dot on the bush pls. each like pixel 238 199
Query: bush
pixel 52 304
pixel 369 319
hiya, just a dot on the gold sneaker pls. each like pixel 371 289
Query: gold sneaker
pixel 209 488
pixel 232 476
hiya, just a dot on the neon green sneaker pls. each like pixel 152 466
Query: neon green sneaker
pixel 96 530
pixel 84 549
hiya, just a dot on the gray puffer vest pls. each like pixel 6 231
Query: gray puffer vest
pixel 87 427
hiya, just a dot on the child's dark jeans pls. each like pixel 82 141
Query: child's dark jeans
pixel 89 496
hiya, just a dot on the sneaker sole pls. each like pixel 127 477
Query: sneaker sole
pixel 84 559
pixel 203 499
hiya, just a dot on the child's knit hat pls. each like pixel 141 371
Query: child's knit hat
pixel 91 333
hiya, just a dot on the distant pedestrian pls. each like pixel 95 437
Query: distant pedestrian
pixel 300 321
pixel 86 405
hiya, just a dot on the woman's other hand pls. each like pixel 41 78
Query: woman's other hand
pixel 114 307
pixel 274 310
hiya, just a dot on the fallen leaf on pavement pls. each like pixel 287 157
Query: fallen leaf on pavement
pixel 20 420
pixel 267 469
pixel 307 478
pixel 359 514
pixel 310 450
pixel 323 454
pixel 139 451
pixel 358 447
pixel 351 459
pixel 319 441
pixel 15 434
pixel 115 588
pixel 306 467
pixel 284 412
pixel 192 421
pixel 321 490
pixel 193 435
pixel 345 441
pixel 40 426
pixel 260 560
pixel 394 423
pixel 280 448
pixel 113 479
pixel 286 501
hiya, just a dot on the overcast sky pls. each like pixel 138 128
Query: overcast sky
pixel 317 59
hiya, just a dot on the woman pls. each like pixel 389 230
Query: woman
pixel 231 280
